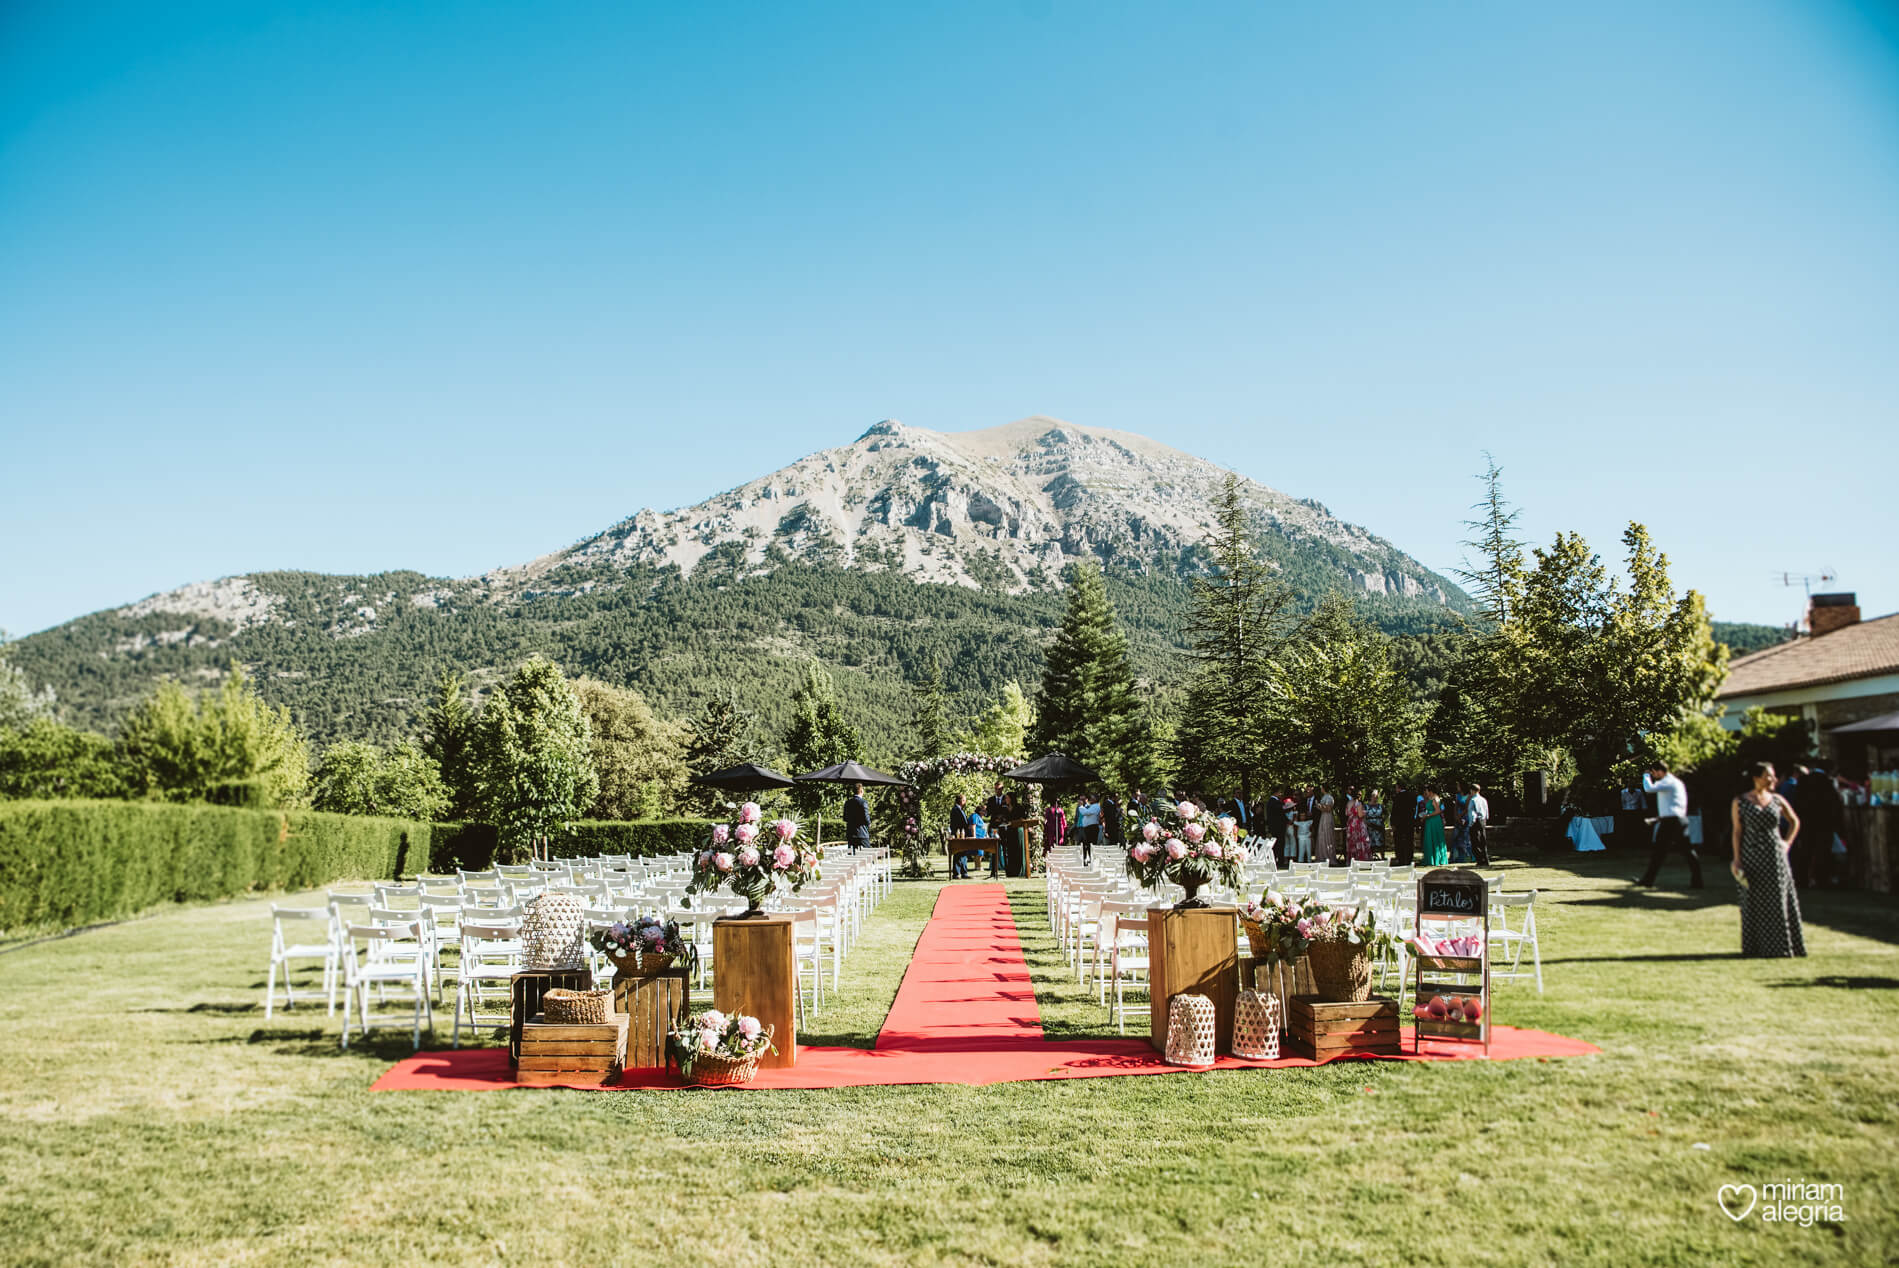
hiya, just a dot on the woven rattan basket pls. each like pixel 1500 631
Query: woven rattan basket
pixel 1341 972
pixel 1256 1026
pixel 1256 939
pixel 641 963
pixel 576 1008
pixel 720 1071
pixel 1193 1031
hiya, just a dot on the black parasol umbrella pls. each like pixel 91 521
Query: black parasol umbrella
pixel 847 773
pixel 1056 768
pixel 747 777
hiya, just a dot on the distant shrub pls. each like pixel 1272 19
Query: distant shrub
pixel 70 863
pixel 640 837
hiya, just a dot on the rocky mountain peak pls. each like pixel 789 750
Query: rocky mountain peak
pixel 1004 507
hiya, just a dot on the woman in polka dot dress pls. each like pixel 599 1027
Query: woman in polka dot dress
pixel 1770 911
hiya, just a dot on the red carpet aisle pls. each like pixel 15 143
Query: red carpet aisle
pixel 965 1014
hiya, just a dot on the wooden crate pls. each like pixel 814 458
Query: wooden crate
pixel 571 1053
pixel 1320 1029
pixel 526 991
pixel 653 1006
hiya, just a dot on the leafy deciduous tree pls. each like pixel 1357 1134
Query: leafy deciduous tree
pixel 532 756
pixel 402 782
pixel 639 759
pixel 180 749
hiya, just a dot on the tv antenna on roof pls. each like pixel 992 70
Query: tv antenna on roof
pixel 1824 577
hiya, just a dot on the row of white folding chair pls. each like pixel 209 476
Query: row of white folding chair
pixel 387 951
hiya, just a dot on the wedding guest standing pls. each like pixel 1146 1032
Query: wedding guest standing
pixel 1456 836
pixel 959 817
pixel 857 819
pixel 1404 821
pixel 1357 838
pixel 1431 821
pixel 1770 910
pixel 1088 826
pixel 1054 825
pixel 1113 827
pixel 1279 826
pixel 1323 820
pixel 1479 815
pixel 1375 822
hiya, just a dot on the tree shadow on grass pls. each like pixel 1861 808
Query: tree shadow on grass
pixel 223 1010
pixel 1843 982
pixel 1670 958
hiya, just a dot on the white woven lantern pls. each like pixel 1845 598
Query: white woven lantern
pixel 1256 1026
pixel 1193 1031
pixel 554 935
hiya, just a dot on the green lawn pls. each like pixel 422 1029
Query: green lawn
pixel 152 1115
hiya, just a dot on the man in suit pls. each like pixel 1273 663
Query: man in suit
pixel 857 819
pixel 959 827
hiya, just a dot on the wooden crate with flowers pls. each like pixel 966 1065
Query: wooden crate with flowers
pixel 1337 946
pixel 652 962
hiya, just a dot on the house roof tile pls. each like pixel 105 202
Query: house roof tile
pixel 1857 651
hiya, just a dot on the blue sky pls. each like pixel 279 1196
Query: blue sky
pixel 352 287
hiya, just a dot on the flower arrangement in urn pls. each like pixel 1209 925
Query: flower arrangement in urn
pixel 751 857
pixel 714 1047
pixel 1185 845
pixel 647 946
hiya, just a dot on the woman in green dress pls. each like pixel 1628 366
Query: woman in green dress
pixel 1431 819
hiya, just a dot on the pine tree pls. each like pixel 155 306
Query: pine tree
pixel 1088 707
pixel 1236 624
pixel 929 725
pixel 1496 580
pixel 448 730
pixel 724 733
pixel 818 735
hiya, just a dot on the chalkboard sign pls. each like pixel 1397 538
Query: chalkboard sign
pixel 1449 891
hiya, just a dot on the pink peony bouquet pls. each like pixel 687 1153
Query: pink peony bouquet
pixel 715 1034
pixel 752 857
pixel 1187 846
pixel 1285 928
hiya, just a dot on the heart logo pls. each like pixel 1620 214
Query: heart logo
pixel 1730 1197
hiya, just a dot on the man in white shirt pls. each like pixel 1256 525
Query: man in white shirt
pixel 1671 823
pixel 1479 825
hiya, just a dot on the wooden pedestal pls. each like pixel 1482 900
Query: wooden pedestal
pixel 525 994
pixel 755 973
pixel 1193 952
pixel 653 1006
pixel 554 1053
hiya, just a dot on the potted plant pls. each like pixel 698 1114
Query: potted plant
pixel 1186 846
pixel 715 1049
pixel 752 857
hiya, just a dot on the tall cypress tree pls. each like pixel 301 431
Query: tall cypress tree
pixel 818 735
pixel 1238 621
pixel 1087 707
pixel 930 735
pixel 448 730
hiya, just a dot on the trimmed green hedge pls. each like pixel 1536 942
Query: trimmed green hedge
pixel 67 863
pixel 641 837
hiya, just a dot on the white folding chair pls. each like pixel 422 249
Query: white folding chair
pixel 1127 964
pixel 385 955
pixel 289 929
pixel 1512 941
pixel 490 955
